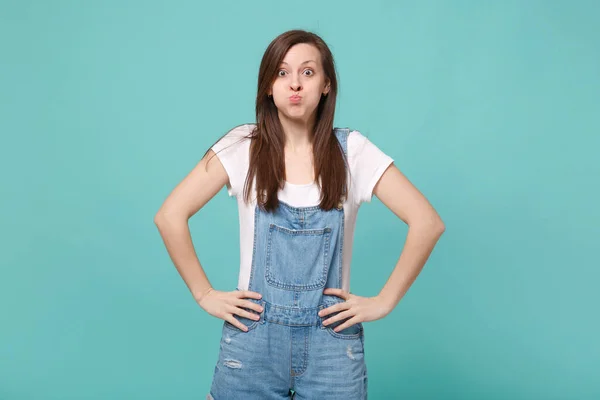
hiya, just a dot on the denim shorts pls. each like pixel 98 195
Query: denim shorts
pixel 274 356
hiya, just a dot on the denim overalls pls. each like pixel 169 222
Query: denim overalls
pixel 297 253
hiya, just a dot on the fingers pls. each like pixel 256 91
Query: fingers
pixel 236 306
pixel 234 321
pixel 233 310
pixel 338 317
pixel 248 294
pixel 334 308
pixel 347 324
pixel 248 304
pixel 229 318
pixel 240 302
pixel 242 313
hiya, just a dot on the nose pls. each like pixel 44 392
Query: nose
pixel 295 85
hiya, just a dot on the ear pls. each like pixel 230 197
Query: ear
pixel 326 89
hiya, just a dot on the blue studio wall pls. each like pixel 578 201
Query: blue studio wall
pixel 491 108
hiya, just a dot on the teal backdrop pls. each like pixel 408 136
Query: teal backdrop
pixel 492 109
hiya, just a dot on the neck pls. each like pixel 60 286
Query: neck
pixel 298 134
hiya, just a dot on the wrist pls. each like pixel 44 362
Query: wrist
pixel 199 295
pixel 387 302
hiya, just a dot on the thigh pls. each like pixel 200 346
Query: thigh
pixel 252 365
pixel 336 366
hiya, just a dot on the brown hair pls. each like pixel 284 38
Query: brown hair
pixel 267 162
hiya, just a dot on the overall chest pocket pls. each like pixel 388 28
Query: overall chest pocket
pixel 297 259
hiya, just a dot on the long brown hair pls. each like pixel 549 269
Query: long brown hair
pixel 267 161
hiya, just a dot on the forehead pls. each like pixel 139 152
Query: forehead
pixel 300 53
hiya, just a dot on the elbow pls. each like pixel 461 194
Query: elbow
pixel 432 224
pixel 158 219
pixel 163 217
pixel 438 226
pixel 160 216
pixel 441 228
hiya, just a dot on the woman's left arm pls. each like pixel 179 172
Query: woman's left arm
pixel 424 230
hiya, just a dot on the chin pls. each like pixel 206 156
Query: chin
pixel 297 118
pixel 299 110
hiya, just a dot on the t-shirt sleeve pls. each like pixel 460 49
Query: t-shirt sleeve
pixel 367 163
pixel 232 151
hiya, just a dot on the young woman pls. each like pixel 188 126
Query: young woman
pixel 292 327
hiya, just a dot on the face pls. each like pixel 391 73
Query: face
pixel 300 74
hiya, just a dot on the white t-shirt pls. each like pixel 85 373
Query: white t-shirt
pixel 367 163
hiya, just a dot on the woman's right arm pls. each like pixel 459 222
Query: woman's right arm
pixel 189 196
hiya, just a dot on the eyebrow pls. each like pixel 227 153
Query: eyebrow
pixel 305 62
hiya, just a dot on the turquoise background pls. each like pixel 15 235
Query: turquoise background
pixel 492 109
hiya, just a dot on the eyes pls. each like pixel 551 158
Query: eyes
pixel 306 70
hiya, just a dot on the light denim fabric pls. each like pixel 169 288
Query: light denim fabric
pixel 288 353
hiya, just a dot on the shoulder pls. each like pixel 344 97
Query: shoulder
pixel 353 136
pixel 240 131
pixel 367 163
pixel 357 142
pixel 232 150
pixel 235 137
